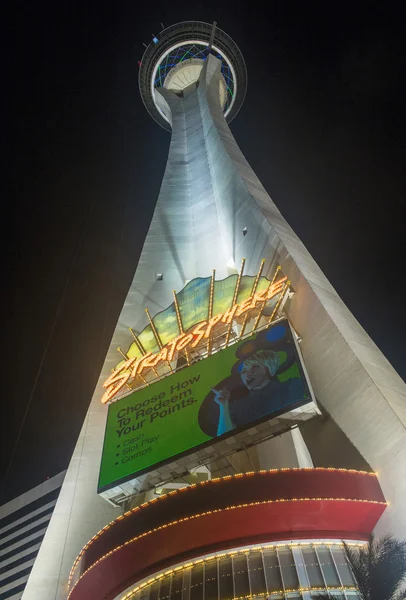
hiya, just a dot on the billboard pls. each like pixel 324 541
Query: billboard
pixel 251 381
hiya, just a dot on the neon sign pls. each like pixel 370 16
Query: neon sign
pixel 139 366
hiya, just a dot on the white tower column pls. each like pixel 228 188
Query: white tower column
pixel 284 451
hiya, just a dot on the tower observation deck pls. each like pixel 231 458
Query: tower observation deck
pixel 175 59
pixel 213 221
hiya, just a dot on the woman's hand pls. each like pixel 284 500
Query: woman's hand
pixel 221 396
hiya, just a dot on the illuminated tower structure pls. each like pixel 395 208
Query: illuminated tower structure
pixel 213 214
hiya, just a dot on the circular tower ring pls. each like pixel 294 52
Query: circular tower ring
pixel 165 52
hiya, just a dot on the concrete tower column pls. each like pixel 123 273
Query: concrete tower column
pixel 284 451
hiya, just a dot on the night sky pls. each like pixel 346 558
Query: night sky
pixel 322 125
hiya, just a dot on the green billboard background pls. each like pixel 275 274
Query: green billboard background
pixel 178 415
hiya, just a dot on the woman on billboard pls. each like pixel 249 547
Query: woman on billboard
pixel 266 394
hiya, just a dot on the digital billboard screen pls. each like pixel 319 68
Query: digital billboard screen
pixel 251 381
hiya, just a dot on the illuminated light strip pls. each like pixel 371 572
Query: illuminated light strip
pixel 156 335
pixel 210 314
pixel 138 343
pixel 175 300
pixel 122 353
pixel 275 310
pixel 237 287
pixel 278 268
pixel 180 324
pixel 214 480
pixel 346 588
pixel 117 379
pixel 209 346
pixel 211 297
pixel 246 552
pixel 143 352
pixel 143 379
pixel 243 326
pixel 253 291
pixel 215 511
pixel 128 359
pixel 257 278
pixel 267 595
pixel 154 331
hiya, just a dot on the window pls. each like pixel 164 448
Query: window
pixel 312 567
pixel 176 589
pixel 196 584
pixel 328 567
pixel 226 578
pixel 241 582
pixel 256 573
pixel 165 589
pixel 272 572
pixel 187 575
pixel 210 580
pixel 276 571
pixel 343 567
pixel 153 594
pixel 288 568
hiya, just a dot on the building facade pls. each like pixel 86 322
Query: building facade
pixel 23 523
pixel 231 535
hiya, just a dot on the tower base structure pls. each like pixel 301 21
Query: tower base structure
pixel 213 211
pixel 244 510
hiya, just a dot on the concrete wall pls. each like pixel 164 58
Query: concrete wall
pixel 329 446
pixel 23 524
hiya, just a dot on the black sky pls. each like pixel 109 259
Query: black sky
pixel 322 125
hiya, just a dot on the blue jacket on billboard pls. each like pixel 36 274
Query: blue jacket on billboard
pixel 270 399
pixel 266 394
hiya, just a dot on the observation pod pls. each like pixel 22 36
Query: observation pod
pixel 175 59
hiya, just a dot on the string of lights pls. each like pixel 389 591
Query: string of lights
pixel 203 514
pixel 247 551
